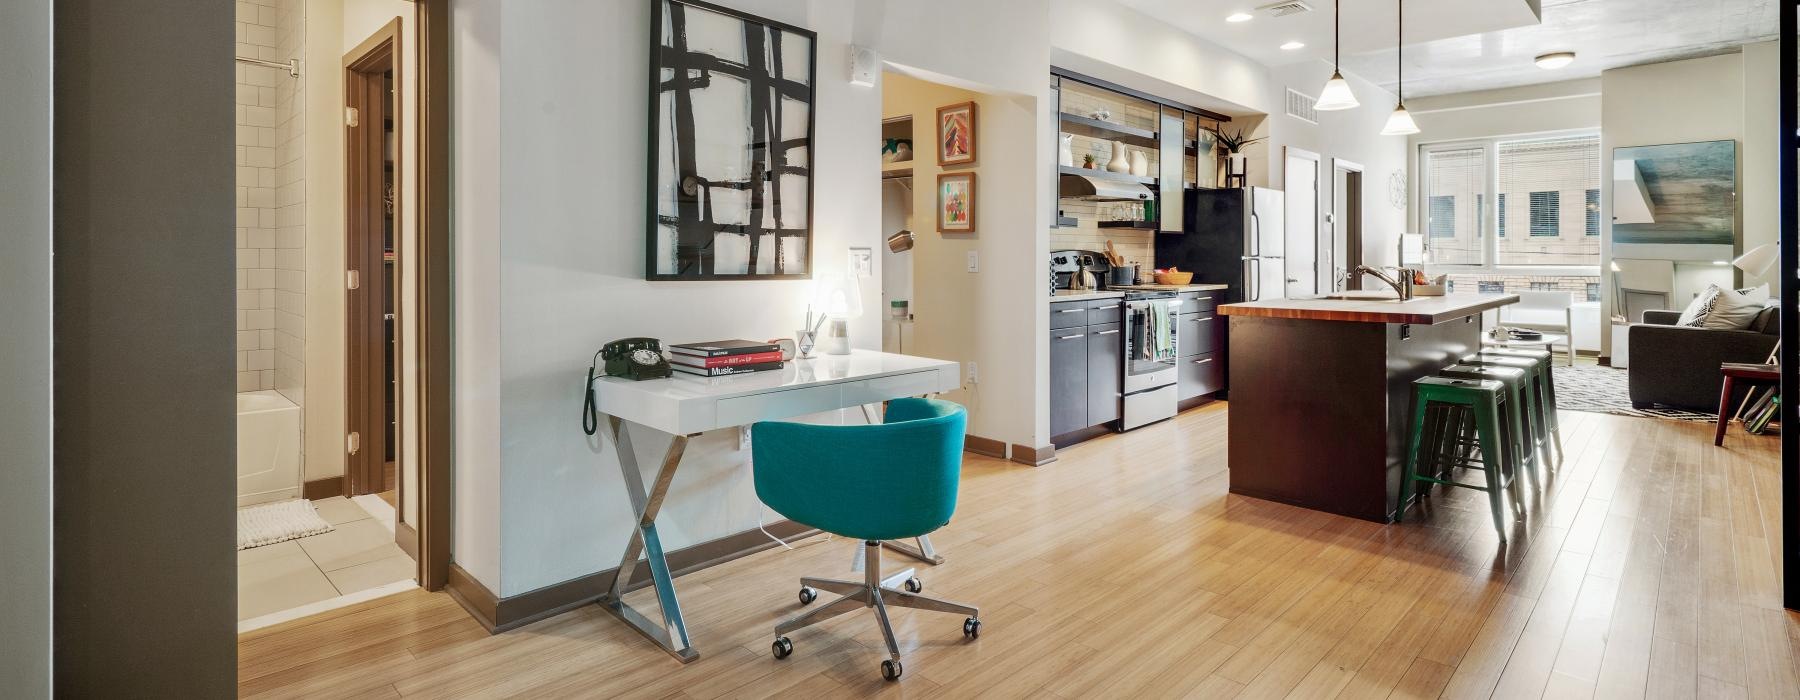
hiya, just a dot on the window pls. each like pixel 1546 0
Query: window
pixel 1501 210
pixel 1593 291
pixel 1452 175
pixel 1545 209
pixel 1593 212
pixel 1543 286
pixel 1490 287
pixel 1443 216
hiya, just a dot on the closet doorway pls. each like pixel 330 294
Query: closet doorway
pixel 372 251
pixel 1346 220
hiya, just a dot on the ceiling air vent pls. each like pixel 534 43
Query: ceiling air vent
pixel 1301 107
pixel 1285 8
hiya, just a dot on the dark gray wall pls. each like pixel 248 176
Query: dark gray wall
pixel 144 583
pixel 25 348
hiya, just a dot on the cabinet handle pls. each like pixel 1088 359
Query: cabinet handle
pixel 1208 318
pixel 1071 337
pixel 1107 332
pixel 1203 361
pixel 1070 311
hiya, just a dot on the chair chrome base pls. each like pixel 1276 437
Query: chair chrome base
pixel 872 592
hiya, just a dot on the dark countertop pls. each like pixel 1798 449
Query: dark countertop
pixel 1375 308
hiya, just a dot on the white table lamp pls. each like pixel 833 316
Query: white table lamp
pixel 839 298
pixel 1758 260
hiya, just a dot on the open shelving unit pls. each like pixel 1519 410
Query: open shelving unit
pixel 1097 114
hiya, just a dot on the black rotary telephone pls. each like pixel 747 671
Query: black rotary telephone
pixel 632 358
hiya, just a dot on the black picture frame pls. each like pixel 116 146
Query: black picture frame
pixel 692 218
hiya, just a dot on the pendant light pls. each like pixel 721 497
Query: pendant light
pixel 1336 94
pixel 1400 123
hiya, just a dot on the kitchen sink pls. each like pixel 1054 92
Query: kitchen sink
pixel 1365 296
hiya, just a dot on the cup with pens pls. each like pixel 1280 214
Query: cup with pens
pixel 807 337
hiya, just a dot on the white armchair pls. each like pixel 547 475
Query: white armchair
pixel 1544 311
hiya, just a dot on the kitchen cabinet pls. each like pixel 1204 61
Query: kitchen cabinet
pixel 1200 346
pixel 1086 363
pixel 1095 114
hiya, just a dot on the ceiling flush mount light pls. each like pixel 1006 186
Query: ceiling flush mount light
pixel 1336 94
pixel 1553 61
pixel 1239 17
pixel 1290 46
pixel 1400 123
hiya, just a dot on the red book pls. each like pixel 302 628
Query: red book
pixel 725 360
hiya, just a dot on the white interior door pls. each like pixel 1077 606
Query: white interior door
pixel 1302 187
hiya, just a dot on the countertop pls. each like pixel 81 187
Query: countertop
pixel 1070 295
pixel 1419 310
pixel 1178 288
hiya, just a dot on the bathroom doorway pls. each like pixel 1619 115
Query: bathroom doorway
pixel 372 231
pixel 1346 220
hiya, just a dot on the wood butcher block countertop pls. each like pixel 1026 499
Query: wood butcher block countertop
pixel 1374 309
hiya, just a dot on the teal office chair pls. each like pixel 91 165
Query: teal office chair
pixel 890 481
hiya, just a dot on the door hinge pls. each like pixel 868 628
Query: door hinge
pixel 353 442
pixel 352 279
pixel 350 116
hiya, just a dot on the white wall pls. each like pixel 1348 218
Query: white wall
pixel 25 134
pixel 1760 187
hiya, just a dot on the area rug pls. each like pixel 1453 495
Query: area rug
pixel 278 522
pixel 1596 389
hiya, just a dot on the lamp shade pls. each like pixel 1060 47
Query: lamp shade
pixel 837 296
pixel 1758 260
pixel 1336 95
pixel 1400 123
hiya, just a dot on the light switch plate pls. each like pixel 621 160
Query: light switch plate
pixel 974 261
pixel 862 262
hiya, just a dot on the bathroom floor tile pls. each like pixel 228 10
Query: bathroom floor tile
pixel 280 583
pixel 379 572
pixel 352 543
pixel 338 510
pixel 269 551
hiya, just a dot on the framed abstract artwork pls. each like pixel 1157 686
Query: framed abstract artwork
pixel 1677 193
pixel 731 145
pixel 956 134
pixel 956 202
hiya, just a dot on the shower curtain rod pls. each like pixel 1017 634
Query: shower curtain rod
pixel 292 66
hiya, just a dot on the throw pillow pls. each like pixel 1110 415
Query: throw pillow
pixel 1697 310
pixel 1733 311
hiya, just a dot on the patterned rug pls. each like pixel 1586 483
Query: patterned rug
pixel 1597 389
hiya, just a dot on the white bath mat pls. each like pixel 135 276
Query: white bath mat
pixel 278 522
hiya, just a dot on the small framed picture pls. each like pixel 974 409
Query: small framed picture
pixel 956 134
pixel 956 202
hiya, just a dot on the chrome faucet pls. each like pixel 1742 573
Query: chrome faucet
pixel 1402 283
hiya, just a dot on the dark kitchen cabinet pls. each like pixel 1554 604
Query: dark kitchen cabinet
pixel 1200 346
pixel 1105 369
pixel 1068 380
pixel 1200 375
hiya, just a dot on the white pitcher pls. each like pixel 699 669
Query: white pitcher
pixel 1120 162
pixel 1066 156
pixel 1140 166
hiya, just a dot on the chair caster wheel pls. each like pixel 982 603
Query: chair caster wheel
pixel 971 628
pixel 890 670
pixel 808 595
pixel 782 647
pixel 914 585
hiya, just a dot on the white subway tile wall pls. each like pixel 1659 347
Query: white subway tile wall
pixel 271 192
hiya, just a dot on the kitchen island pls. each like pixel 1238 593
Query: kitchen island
pixel 1321 392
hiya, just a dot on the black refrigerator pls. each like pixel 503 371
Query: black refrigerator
pixel 1232 236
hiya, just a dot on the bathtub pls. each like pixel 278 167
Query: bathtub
pixel 268 448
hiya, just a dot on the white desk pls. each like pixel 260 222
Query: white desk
pixel 686 405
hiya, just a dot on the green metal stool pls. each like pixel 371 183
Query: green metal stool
pixel 1538 412
pixel 1515 416
pixel 1547 390
pixel 1482 399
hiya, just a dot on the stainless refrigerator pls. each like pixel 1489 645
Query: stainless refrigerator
pixel 1232 236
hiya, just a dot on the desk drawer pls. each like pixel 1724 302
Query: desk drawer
pixel 882 389
pixel 780 405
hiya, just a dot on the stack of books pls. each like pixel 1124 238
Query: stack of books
pixel 722 357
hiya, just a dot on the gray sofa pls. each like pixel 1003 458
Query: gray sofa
pixel 1679 366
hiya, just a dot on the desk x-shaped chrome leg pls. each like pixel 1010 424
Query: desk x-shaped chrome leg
pixel 672 634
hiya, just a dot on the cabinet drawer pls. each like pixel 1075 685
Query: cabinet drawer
pixel 1199 302
pixel 1102 311
pixel 1201 374
pixel 1068 314
pixel 1198 333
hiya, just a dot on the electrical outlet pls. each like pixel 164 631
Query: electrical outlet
pixel 743 437
pixel 972 373
pixel 861 262
pixel 974 261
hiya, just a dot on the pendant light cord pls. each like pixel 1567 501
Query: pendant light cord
pixel 1400 53
pixel 1337 47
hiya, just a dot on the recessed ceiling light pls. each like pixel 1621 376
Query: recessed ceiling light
pixel 1239 17
pixel 1553 61
pixel 1290 46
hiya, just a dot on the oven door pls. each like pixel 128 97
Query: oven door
pixel 1150 346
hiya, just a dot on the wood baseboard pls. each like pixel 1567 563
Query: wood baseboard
pixel 1034 456
pixel 323 488
pixel 502 614
pixel 985 446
